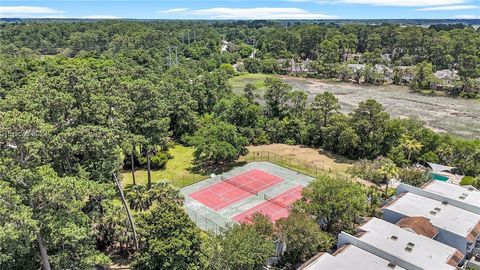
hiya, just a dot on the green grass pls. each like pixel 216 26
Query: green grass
pixel 239 82
pixel 177 170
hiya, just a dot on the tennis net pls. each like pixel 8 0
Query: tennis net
pixel 273 200
pixel 233 183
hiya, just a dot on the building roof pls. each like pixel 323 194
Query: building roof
pixel 446 74
pixel 419 225
pixel 356 66
pixel 442 215
pixel 439 167
pixel 468 195
pixel 348 257
pixel 418 250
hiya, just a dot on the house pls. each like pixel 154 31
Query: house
pixel 446 75
pixel 349 257
pixel 226 46
pixel 379 244
pixel 292 66
pixel 403 74
pixel 403 247
pixel 457 227
pixel 386 71
pixel 463 197
pixel 356 67
pixel 446 79
pixel 352 57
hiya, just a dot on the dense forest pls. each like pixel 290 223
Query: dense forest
pixel 82 101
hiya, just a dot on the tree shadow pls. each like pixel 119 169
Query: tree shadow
pixel 216 168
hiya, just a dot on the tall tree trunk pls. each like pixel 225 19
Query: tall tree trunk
pixel 386 188
pixel 409 155
pixel 41 246
pixel 149 174
pixel 43 252
pixel 130 218
pixel 133 165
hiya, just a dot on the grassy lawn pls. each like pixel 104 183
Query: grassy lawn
pixel 239 82
pixel 177 170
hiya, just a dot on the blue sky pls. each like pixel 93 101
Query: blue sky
pixel 243 9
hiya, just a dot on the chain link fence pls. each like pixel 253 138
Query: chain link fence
pixel 204 223
pixel 299 166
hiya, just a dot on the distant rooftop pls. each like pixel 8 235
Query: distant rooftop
pixel 441 215
pixel 407 246
pixel 349 257
pixel 439 167
pixel 465 194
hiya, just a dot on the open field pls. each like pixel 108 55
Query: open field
pixel 308 155
pixel 177 170
pixel 443 114
pixel 305 159
pixel 239 82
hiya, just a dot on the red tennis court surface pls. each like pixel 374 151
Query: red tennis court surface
pixel 235 189
pixel 275 208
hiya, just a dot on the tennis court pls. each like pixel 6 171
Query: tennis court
pixel 234 196
pixel 234 189
pixel 276 207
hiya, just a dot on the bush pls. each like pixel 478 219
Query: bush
pixel 468 180
pixel 159 161
pixel 413 176
pixel 369 170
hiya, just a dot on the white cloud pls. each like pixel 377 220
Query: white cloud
pixel 467 17
pixel 266 13
pixel 405 3
pixel 174 10
pixel 27 11
pixel 457 7
pixel 100 17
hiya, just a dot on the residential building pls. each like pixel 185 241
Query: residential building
pixel 403 247
pixel 457 227
pixel 349 257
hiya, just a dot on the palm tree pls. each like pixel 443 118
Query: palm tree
pixel 164 191
pixel 410 145
pixel 138 197
pixel 388 171
pixel 130 217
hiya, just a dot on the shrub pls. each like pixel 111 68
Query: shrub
pixel 159 161
pixel 369 170
pixel 468 180
pixel 413 176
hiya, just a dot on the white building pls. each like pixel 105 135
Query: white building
pixel 465 197
pixel 403 247
pixel 457 227
pixel 349 257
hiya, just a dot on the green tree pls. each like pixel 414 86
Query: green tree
pixel 410 145
pixel 243 248
pixel 303 239
pixel 388 171
pixel 18 231
pixel 277 96
pixel 149 119
pixel 413 176
pixel 217 143
pixel 170 240
pixel 298 103
pixel 325 104
pixel 334 202
pixel 369 121
pixel 249 92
